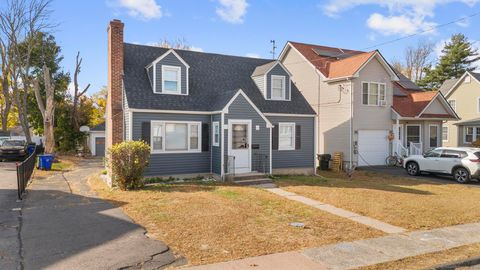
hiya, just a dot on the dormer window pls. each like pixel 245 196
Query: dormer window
pixel 278 87
pixel 171 79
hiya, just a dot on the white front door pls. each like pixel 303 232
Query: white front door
pixel 239 141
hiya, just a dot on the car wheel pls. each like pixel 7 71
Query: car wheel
pixel 461 175
pixel 412 168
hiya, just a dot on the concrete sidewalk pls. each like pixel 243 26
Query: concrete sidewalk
pixel 65 226
pixel 360 253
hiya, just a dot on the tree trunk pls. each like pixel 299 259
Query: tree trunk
pixel 48 111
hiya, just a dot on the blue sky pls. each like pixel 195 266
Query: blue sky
pixel 245 27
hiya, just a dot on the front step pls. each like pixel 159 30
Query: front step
pixel 248 176
pixel 252 182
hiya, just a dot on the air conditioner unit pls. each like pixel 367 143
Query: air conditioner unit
pixel 382 103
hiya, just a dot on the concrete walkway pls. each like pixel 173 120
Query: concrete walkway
pixel 66 226
pixel 374 223
pixel 360 253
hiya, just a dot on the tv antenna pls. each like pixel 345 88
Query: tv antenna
pixel 273 48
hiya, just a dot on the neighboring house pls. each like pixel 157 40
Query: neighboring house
pixel 463 94
pixel 204 113
pixel 365 109
pixel 96 140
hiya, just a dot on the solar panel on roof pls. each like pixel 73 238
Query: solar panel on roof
pixel 327 53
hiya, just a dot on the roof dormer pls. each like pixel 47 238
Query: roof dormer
pixel 273 81
pixel 168 74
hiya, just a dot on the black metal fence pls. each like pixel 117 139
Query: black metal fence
pixel 24 172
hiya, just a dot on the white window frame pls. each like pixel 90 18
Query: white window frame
pixel 420 132
pixel 164 141
pixel 474 133
pixel 438 139
pixel 179 79
pixel 215 127
pixel 478 105
pixel 292 147
pixel 284 87
pixel 454 107
pixel 378 94
pixel 446 140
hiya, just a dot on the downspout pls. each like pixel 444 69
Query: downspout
pixel 351 123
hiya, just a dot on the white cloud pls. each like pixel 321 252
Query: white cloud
pixel 394 25
pixel 253 55
pixel 403 16
pixel 143 9
pixel 232 11
pixel 196 49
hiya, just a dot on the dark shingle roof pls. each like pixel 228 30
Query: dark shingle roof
pixel 261 70
pixel 99 127
pixel 213 80
pixel 447 85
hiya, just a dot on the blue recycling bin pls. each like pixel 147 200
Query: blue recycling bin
pixel 30 148
pixel 45 162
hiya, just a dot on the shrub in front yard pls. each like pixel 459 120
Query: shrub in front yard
pixel 128 161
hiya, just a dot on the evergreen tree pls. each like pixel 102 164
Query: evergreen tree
pixel 458 56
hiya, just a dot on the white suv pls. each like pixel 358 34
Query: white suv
pixel 461 162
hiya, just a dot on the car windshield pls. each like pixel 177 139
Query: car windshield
pixel 477 154
pixel 13 143
pixel 433 153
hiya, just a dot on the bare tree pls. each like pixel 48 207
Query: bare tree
pixel 77 93
pixel 398 66
pixel 6 98
pixel 19 24
pixel 47 109
pixel 417 59
pixel 179 43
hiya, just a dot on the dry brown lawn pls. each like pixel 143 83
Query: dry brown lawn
pixel 410 203
pixel 210 223
pixel 431 259
pixel 62 163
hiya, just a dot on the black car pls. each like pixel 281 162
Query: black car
pixel 13 150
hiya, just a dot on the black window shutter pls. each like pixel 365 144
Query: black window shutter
pixel 146 132
pixel 275 137
pixel 298 136
pixel 205 138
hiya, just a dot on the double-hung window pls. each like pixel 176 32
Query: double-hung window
pixel 175 136
pixel 171 83
pixel 472 134
pixel 444 133
pixel 278 87
pixel 373 94
pixel 453 104
pixel 216 134
pixel 286 136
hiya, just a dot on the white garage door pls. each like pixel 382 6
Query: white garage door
pixel 372 147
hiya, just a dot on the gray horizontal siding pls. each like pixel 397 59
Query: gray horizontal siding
pixel 278 70
pixel 171 60
pixel 178 163
pixel 241 109
pixel 303 157
pixel 216 150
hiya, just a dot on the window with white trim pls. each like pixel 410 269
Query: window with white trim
pixel 373 94
pixel 171 136
pixel 478 104
pixel 286 136
pixel 444 133
pixel 471 134
pixel 453 104
pixel 278 87
pixel 171 83
pixel 433 136
pixel 216 134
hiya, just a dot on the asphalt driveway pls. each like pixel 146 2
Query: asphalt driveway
pixel 399 171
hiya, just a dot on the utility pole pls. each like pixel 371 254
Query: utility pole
pixel 273 48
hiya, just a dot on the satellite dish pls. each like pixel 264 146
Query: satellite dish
pixel 84 129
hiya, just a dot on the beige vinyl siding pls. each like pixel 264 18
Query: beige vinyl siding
pixel 260 82
pixel 466 96
pixel 332 106
pixel 436 107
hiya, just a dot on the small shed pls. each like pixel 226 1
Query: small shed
pixel 96 140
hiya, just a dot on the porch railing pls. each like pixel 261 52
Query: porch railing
pixel 261 163
pixel 400 149
pixel 416 148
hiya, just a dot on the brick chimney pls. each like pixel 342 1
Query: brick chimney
pixel 114 109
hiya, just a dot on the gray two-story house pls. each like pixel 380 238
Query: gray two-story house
pixel 204 113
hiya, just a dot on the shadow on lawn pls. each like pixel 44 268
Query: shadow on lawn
pixel 357 181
